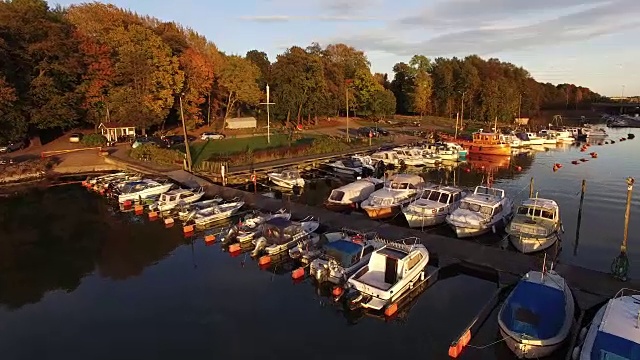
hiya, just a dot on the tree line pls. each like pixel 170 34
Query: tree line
pixel 92 63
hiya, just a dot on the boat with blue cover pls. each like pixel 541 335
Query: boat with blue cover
pixel 536 317
pixel 614 333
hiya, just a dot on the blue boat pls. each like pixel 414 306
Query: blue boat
pixel 614 333
pixel 536 317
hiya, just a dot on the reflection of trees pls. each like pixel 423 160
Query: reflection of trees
pixel 49 240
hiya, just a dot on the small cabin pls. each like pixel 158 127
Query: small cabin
pixel 389 265
pixel 539 208
pixel 117 131
pixel 487 138
pixel 387 157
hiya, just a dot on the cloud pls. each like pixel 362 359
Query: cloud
pixel 290 18
pixel 348 6
pixel 492 31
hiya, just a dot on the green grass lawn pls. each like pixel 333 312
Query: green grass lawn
pixel 205 150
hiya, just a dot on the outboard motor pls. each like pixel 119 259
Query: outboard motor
pixel 231 234
pixel 261 244
pixel 380 169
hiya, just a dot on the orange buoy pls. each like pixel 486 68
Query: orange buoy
pixel 582 149
pixel 336 291
pixel 234 248
pixel 153 215
pixel 518 168
pixel 264 260
pixel 127 203
pixel 555 168
pixel 168 221
pixel 209 238
pixel 139 209
pixel 102 192
pixel 297 273
pixel 594 155
pixel 187 229
pixel 391 309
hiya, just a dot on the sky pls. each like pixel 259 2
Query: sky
pixel 592 43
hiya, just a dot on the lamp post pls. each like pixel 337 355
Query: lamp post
pixel 462 108
pixel 186 140
pixel 268 116
pixel 346 96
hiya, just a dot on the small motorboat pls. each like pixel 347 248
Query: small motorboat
pixel 250 227
pixel 388 201
pixel 535 226
pixel 536 317
pixel 613 333
pixel 216 213
pixel 535 139
pixel 341 255
pixel 432 206
pixel 90 181
pixel 280 235
pixel 462 153
pixel 350 196
pixel 141 189
pixel 481 212
pixel 287 179
pixel 443 151
pixel 388 157
pixel 410 156
pixel 109 182
pixel 175 198
pixel 351 167
pixel 188 210
pixel 392 270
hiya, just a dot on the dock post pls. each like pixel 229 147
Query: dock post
pixel 620 265
pixel 531 188
pixel 583 189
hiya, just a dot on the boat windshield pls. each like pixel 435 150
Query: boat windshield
pixel 611 347
pixel 535 212
pixel 277 235
pixel 131 188
pixel 486 210
pixel 435 195
pixel 399 186
pixel 336 195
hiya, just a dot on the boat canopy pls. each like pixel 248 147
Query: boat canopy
pixel 609 346
pixel 344 251
pixel 534 310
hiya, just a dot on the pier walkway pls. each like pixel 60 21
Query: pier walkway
pixel 590 287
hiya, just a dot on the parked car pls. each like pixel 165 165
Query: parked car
pixel 382 131
pixel 75 138
pixel 12 146
pixel 211 136
pixel 365 131
pixel 171 140
pixel 147 140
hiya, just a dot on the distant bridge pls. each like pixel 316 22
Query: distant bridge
pixel 617 107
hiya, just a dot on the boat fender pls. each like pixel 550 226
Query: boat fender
pixel 575 354
pixel 583 334
pixel 493 228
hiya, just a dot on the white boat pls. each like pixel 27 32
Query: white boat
pixel 90 181
pixel 442 151
pixel 189 210
pixel 350 196
pixel 142 189
pixel 535 225
pixel 512 140
pixel 409 156
pixel 462 153
pixel 341 255
pixel 388 201
pixel 550 136
pixel 387 157
pixel 536 317
pixel 251 226
pixel 433 206
pixel 366 161
pixel 430 159
pixel 564 137
pixel 279 235
pixel 392 270
pixel 216 213
pixel 481 212
pixel 287 179
pixel 110 181
pixel 535 139
pixel 614 332
pixel 347 167
pixel 177 197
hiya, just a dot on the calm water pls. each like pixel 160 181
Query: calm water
pixel 79 280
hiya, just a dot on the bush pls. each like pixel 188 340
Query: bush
pixel 150 152
pixel 94 140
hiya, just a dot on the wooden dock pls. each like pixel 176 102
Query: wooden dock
pixel 590 287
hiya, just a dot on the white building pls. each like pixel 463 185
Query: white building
pixel 242 123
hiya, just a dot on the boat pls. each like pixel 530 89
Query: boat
pixel 613 333
pixel 91 181
pixel 536 317
pixel 535 139
pixel 512 140
pixel 524 139
pixel 409 156
pixel 350 196
pixel 141 189
pixel 564 136
pixel 442 151
pixel 462 153
pixel 280 235
pixel 535 225
pixel 481 212
pixel 391 271
pixel 433 206
pixel 108 182
pixel 489 144
pixel 388 201
pixel 251 226
pixel 216 212
pixel 341 255
pixel 177 197
pixel 287 179
pixel 549 136
pixel 188 210
pixel 589 133
pixel 351 167
pixel 388 157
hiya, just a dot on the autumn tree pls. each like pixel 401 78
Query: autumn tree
pixel 238 80
pixel 260 60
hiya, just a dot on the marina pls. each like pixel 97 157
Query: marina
pixel 451 271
